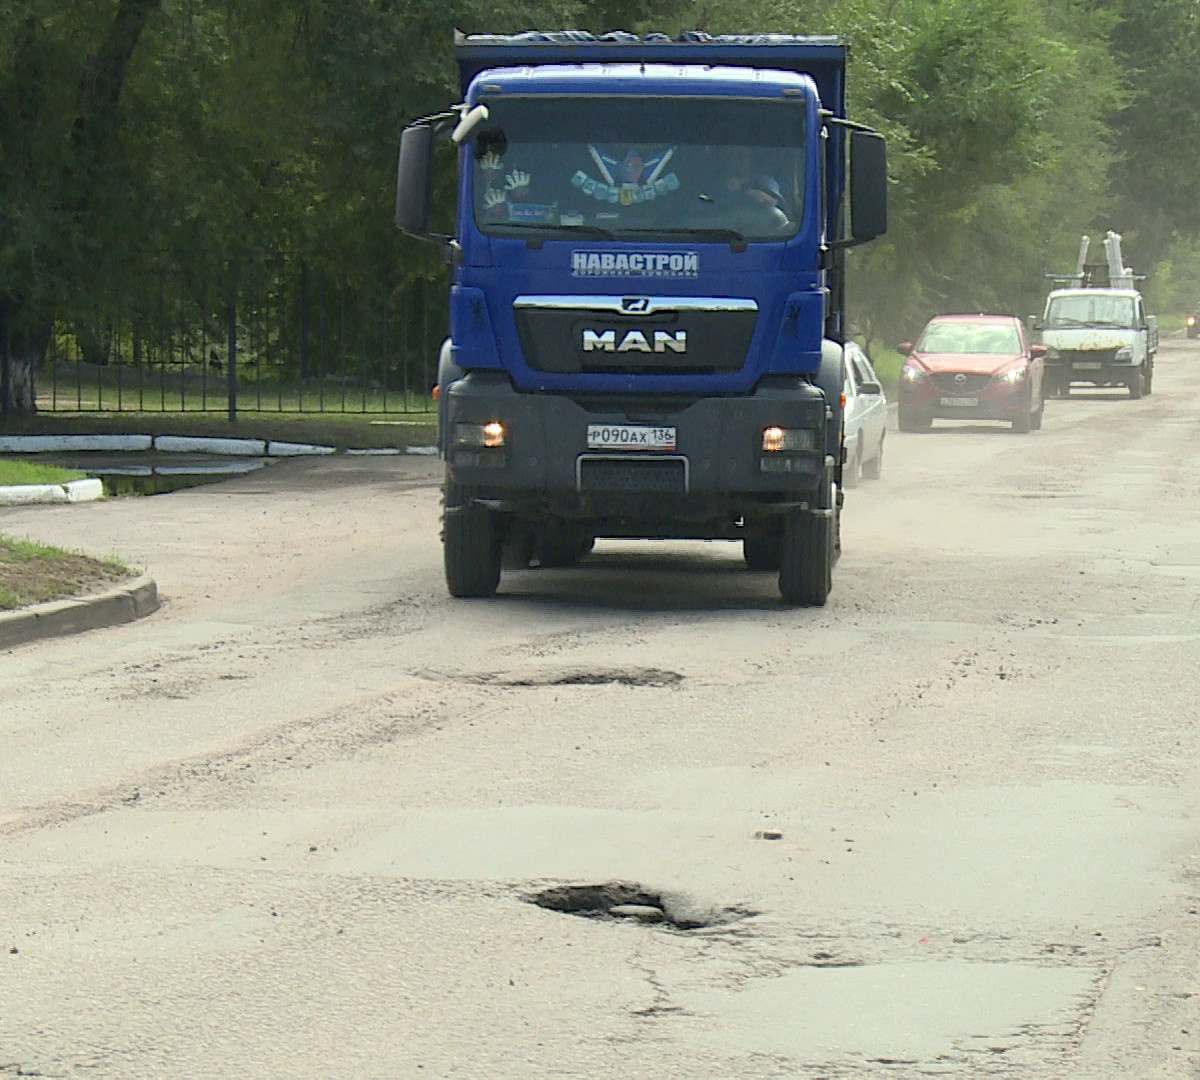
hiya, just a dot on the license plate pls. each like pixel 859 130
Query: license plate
pixel 960 401
pixel 630 437
pixel 1088 365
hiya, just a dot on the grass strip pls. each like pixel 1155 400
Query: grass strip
pixel 34 573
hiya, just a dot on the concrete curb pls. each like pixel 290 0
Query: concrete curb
pixel 182 444
pixel 124 603
pixel 71 492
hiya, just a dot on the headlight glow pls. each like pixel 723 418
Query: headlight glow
pixel 489 436
pixel 911 374
pixel 1014 375
pixel 777 439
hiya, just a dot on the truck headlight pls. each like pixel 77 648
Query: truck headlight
pixel 1125 352
pixel 1052 354
pixel 790 450
pixel 777 439
pixel 489 436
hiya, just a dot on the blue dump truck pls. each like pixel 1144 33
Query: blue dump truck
pixel 647 298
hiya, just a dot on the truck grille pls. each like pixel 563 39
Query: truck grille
pixel 672 335
pixel 667 475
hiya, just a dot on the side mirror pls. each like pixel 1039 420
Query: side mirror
pixel 414 180
pixel 904 348
pixel 868 186
pixel 870 388
pixel 1037 350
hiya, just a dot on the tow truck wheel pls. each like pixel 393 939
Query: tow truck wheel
pixel 471 547
pixel 806 558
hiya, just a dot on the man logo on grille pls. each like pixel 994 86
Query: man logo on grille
pixel 660 341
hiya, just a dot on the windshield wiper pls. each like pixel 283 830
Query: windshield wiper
pixel 595 232
pixel 536 234
pixel 731 236
pixel 1115 323
pixel 1064 320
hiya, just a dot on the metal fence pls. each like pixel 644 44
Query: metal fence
pixel 284 340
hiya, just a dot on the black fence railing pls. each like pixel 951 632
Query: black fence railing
pixel 284 340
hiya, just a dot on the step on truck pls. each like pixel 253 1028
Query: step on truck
pixel 648 296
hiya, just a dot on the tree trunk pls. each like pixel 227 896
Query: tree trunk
pixel 21 349
pixel 22 391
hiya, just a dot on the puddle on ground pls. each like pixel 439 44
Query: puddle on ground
pixel 163 479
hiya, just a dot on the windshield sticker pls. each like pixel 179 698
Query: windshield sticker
pixel 636 178
pixel 680 264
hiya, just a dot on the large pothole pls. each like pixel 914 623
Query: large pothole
pixel 587 677
pixel 628 901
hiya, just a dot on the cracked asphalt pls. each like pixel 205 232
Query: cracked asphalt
pixel 293 823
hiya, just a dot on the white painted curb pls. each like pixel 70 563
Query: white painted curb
pixel 288 449
pixel 73 492
pixel 38 444
pixel 186 444
pixel 172 444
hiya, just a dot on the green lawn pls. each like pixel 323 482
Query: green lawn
pixel 13 473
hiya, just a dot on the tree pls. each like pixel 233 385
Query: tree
pixel 1156 176
pixel 56 147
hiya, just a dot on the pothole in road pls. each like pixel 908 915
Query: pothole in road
pixel 623 900
pixel 644 677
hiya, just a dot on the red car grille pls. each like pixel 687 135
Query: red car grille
pixel 950 383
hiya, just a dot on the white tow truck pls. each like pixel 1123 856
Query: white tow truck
pixel 1095 327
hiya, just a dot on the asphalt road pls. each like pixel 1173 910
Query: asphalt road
pixel 296 823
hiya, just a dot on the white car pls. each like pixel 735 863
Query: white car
pixel 865 419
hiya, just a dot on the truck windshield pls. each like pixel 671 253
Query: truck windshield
pixel 645 168
pixel 1098 310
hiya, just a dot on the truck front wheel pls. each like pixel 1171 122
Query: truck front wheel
pixel 1137 384
pixel 471 545
pixel 806 558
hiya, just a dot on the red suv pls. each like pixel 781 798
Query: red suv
pixel 972 367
